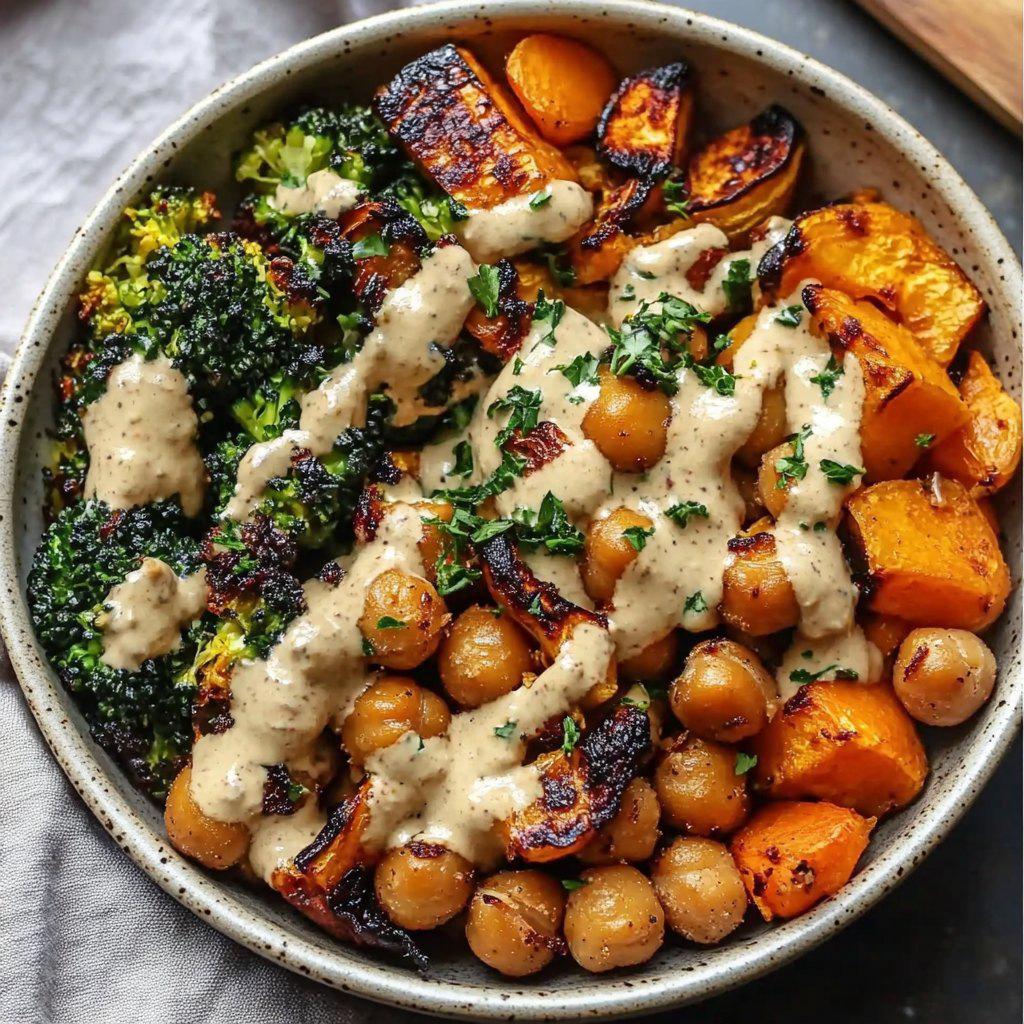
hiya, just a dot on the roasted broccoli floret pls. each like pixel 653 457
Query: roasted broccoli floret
pixel 142 718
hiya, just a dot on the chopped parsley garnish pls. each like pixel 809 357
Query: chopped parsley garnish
pixel 463 453
pixel 647 275
pixel 684 511
pixel 801 675
pixel 582 370
pixel 511 467
pixel 839 472
pixel 924 440
pixel 790 316
pixel 505 731
pixel 523 407
pixel 517 366
pixel 452 576
pixel 562 273
pixel 387 622
pixel 820 527
pixel 677 199
pixel 570 734
pixel 572 884
pixel 550 311
pixel 721 343
pixel 535 607
pixel 637 536
pixel 549 526
pixel 744 762
pixel 628 293
pixel 695 603
pixel 539 199
pixel 829 377
pixel 371 245
pixel 793 467
pixel 736 285
pixel 485 287
pixel 716 377
pixel 368 649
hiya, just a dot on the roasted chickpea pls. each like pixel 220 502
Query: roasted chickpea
pixel 724 693
pixel 215 844
pixel 654 663
pixel 770 429
pixel 699 790
pixel 484 656
pixel 757 597
pixel 513 921
pixel 633 833
pixel 628 422
pixel 431 543
pixel 772 496
pixel 386 710
pixel 607 551
pixel 422 885
pixel 614 919
pixel 942 676
pixel 402 619
pixel 700 888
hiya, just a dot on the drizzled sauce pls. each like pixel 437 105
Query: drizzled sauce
pixel 324 192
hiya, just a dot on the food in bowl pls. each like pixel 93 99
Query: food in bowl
pixel 514 515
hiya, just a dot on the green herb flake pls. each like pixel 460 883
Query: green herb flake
pixel 695 604
pixel 572 884
pixel 744 762
pixel 677 199
pixel 790 316
pixel 371 245
pixel 517 366
pixel 505 731
pixel 550 312
pixel 485 287
pixel 829 377
pixel 924 440
pixel 582 370
pixel 463 453
pixel 368 649
pixel 839 472
pixel 736 285
pixel 793 467
pixel 801 675
pixel 716 377
pixel 387 622
pixel 637 536
pixel 523 407
pixel 682 512
pixel 570 734
pixel 550 527
pixel 539 199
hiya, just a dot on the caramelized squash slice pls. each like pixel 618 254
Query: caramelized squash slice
pixel 985 452
pixel 906 394
pixel 562 84
pixel 873 251
pixel 748 174
pixel 849 743
pixel 465 132
pixel 793 855
pixel 644 127
pixel 930 554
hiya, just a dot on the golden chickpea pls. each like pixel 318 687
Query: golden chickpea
pixel 628 422
pixel 725 693
pixel 770 429
pixel 484 656
pixel 215 844
pixel 607 551
pixel 699 790
pixel 942 676
pixel 514 920
pixel 757 597
pixel 700 888
pixel 386 710
pixel 614 919
pixel 654 663
pixel 633 833
pixel 422 885
pixel 402 619
pixel 772 496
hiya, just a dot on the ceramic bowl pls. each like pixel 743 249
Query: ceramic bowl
pixel 855 140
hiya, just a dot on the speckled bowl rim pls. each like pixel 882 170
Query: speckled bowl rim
pixel 616 996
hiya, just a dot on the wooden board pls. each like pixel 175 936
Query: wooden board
pixel 974 43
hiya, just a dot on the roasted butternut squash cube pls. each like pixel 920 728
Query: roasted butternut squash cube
pixel 748 174
pixel 465 131
pixel 793 855
pixel 985 452
pixel 906 393
pixel 849 743
pixel 929 553
pixel 644 127
pixel 873 251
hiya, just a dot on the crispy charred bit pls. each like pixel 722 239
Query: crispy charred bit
pixel 616 211
pixel 464 131
pixel 374 276
pixel 370 511
pixel 540 446
pixel 502 335
pixel 535 604
pixel 644 126
pixel 581 791
pixel 743 158
pixel 774 261
pixel 281 793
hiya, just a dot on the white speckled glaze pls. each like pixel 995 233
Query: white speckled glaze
pixel 856 140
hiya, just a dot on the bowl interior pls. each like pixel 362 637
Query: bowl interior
pixel 852 144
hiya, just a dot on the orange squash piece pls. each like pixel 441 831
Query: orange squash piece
pixel 465 131
pixel 886 632
pixel 930 554
pixel 985 452
pixel 873 251
pixel 748 174
pixel 793 855
pixel 563 85
pixel 906 393
pixel 849 743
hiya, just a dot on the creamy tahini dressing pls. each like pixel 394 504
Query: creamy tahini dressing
pixel 143 615
pixel 452 789
pixel 415 321
pixel 324 192
pixel 141 436
pixel 553 214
